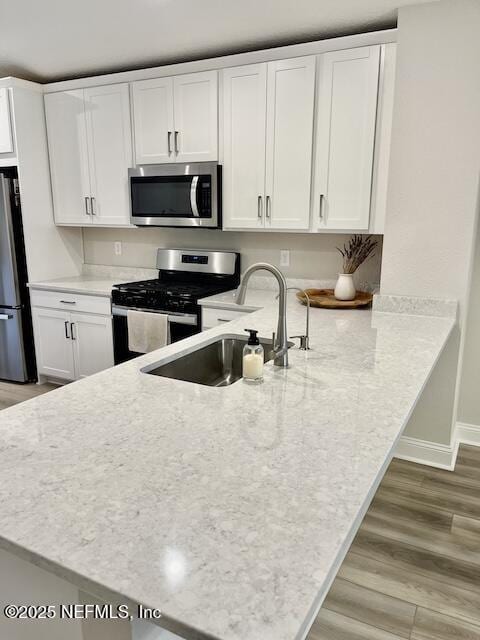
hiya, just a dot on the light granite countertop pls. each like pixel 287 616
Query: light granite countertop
pixel 230 509
pixel 89 285
pixel 255 299
pixel 95 280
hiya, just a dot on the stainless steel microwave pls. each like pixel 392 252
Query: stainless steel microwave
pixel 176 195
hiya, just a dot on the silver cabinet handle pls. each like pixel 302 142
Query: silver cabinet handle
pixel 92 200
pixel 87 212
pixel 68 301
pixel 267 207
pixel 66 330
pixel 176 142
pixel 169 146
pixel 260 207
pixel 320 209
pixel 72 324
pixel 4 316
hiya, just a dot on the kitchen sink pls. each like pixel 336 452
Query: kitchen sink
pixel 217 363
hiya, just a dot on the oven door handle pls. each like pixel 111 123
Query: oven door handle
pixel 193 196
pixel 177 318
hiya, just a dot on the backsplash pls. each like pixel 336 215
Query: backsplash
pixel 312 256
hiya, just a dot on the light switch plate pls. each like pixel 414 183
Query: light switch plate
pixel 117 248
pixel 285 258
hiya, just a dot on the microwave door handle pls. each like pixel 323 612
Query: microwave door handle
pixel 193 196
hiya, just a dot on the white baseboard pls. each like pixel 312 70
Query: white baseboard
pixel 468 433
pixel 437 455
pixel 432 454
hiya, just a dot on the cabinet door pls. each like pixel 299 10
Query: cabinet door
pixel 110 153
pixel 67 148
pixel 291 88
pixel 196 117
pixel 153 120
pixel 53 344
pixel 6 139
pixel 92 343
pixel 244 125
pixel 347 102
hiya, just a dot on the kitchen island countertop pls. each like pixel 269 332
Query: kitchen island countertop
pixel 230 509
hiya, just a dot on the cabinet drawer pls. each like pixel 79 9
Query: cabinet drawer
pixel 70 302
pixel 214 317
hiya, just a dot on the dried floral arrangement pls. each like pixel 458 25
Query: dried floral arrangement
pixel 356 251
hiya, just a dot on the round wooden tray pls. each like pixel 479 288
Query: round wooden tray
pixel 325 299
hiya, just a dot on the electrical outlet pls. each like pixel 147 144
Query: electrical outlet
pixel 285 258
pixel 118 248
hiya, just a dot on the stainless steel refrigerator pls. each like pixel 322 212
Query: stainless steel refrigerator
pixel 17 354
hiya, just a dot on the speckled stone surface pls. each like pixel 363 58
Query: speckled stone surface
pixel 89 285
pixel 255 299
pixel 437 307
pixel 95 280
pixel 230 509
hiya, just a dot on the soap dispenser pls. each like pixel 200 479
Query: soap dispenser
pixel 253 358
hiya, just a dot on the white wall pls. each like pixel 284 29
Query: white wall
pixel 469 401
pixel 433 180
pixel 311 255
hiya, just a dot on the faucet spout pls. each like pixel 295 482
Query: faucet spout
pixel 281 341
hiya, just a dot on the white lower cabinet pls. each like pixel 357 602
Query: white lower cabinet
pixel 71 345
pixel 53 344
pixel 92 341
pixel 213 317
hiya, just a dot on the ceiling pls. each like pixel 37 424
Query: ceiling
pixel 47 40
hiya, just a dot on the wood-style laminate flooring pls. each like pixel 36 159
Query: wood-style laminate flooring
pixel 11 393
pixel 413 570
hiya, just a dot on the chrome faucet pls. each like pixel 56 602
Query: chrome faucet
pixel 280 345
pixel 305 339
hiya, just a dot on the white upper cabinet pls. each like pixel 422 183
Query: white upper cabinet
pixel 89 143
pixel 244 131
pixel 268 129
pixel 291 88
pixel 67 147
pixel 6 137
pixel 109 152
pixel 347 103
pixel 195 99
pixel 153 120
pixel 176 118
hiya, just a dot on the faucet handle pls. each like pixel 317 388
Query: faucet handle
pixel 303 342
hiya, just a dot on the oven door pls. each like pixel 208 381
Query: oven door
pixel 181 325
pixel 175 195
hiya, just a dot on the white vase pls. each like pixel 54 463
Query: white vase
pixel 345 288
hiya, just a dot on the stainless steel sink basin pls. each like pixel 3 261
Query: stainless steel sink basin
pixel 217 363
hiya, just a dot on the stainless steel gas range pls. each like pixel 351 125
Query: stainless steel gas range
pixel 185 276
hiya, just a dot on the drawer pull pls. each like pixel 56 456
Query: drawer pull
pixel 68 301
pixel 223 320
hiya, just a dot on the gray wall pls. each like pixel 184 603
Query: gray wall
pixel 433 179
pixel 311 255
